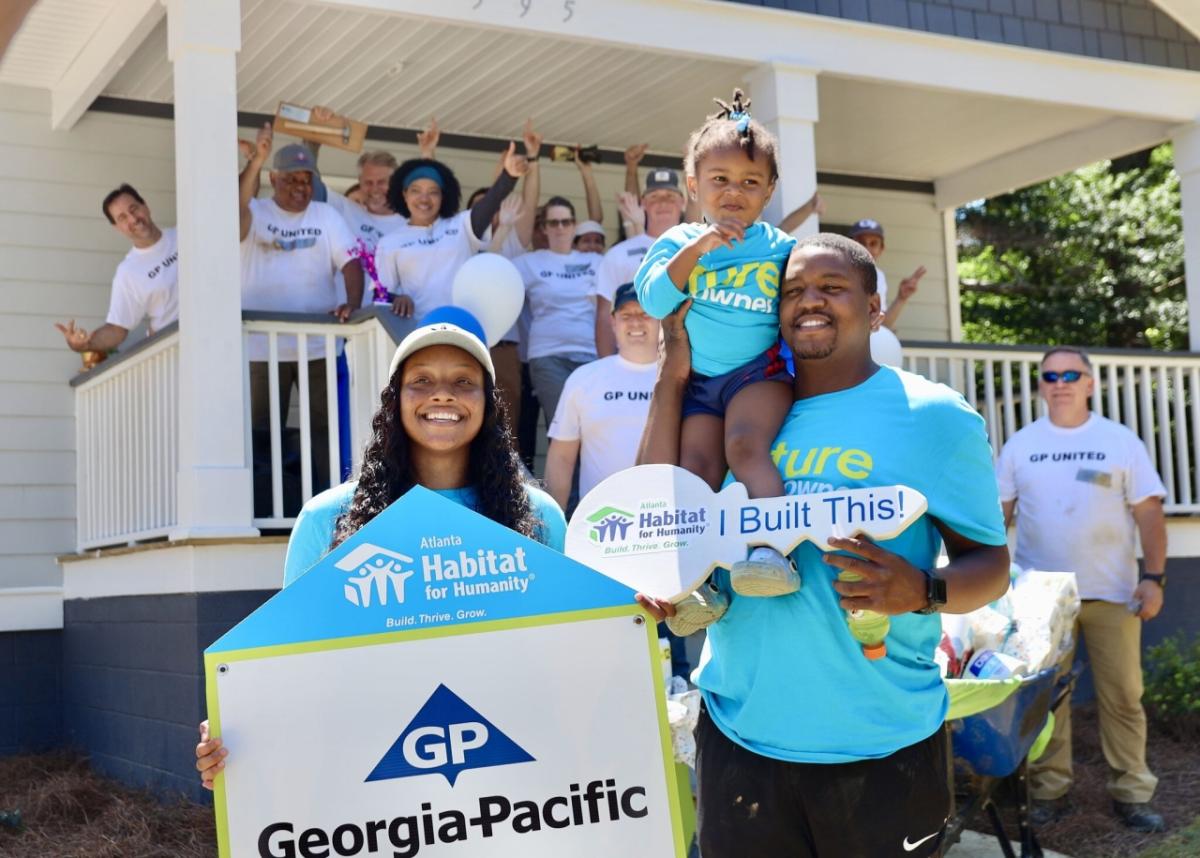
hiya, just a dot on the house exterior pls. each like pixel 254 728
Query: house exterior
pixel 128 535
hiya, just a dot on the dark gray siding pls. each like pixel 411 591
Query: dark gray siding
pixel 30 691
pixel 133 681
pixel 1132 30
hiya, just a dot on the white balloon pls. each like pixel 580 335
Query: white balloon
pixel 490 288
pixel 885 348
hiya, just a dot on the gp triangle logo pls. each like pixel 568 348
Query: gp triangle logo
pixel 446 737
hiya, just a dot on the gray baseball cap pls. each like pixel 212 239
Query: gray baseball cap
pixel 295 158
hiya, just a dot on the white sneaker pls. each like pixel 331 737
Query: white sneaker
pixel 698 610
pixel 765 572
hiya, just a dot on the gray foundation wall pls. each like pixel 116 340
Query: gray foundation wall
pixel 30 691
pixel 133 682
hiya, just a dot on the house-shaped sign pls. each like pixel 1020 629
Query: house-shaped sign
pixel 440 685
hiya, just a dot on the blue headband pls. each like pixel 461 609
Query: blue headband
pixel 424 172
pixel 742 119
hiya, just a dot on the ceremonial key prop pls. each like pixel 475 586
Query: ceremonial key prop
pixel 661 530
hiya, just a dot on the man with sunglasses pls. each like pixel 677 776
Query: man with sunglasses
pixel 1078 486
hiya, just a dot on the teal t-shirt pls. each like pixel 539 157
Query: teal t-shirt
pixel 735 294
pixel 315 525
pixel 782 676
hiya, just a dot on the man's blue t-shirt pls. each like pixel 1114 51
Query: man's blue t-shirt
pixel 782 676
pixel 315 525
pixel 735 294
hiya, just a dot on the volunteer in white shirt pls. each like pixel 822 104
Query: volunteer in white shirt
pixel 662 203
pixel 418 261
pixel 1079 485
pixel 869 233
pixel 604 404
pixel 558 284
pixel 291 249
pixel 145 283
pixel 371 220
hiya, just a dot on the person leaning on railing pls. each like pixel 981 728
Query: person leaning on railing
pixel 145 283
pixel 439 425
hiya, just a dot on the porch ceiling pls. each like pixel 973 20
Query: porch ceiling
pixel 398 70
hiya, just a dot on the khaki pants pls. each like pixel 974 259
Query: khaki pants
pixel 1114 645
pixel 508 381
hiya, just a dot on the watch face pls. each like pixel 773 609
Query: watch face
pixel 937 591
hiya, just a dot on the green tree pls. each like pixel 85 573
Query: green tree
pixel 1091 258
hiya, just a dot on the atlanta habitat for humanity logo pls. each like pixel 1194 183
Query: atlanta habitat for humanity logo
pixel 609 524
pixel 377 576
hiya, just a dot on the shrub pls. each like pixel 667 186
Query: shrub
pixel 1172 676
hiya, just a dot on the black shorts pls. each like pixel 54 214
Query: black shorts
pixel 751 806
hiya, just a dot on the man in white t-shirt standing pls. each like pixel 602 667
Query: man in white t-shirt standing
pixel 603 407
pixel 1079 485
pixel 291 249
pixel 662 202
pixel 146 280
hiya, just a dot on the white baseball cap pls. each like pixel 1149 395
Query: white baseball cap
pixel 446 326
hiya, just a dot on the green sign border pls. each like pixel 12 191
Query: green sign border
pixel 212 660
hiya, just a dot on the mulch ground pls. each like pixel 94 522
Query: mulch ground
pixel 1090 830
pixel 69 812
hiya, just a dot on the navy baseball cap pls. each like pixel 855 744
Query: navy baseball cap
pixel 624 294
pixel 866 225
pixel 295 158
pixel 662 178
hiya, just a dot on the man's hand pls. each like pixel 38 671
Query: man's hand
pixel 723 233
pixel 635 154
pixel 263 142
pixel 660 609
pixel 533 140
pixel 510 210
pixel 427 140
pixel 402 306
pixel 1150 595
pixel 677 348
pixel 890 584
pixel 908 286
pixel 77 338
pixel 584 166
pixel 632 212
pixel 321 114
pixel 342 312
pixel 515 165
pixel 210 757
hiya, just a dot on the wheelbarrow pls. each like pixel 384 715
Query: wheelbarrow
pixel 991 749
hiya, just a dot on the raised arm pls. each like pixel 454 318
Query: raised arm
pixel 510 213
pixel 814 206
pixel 908 288
pixel 482 212
pixel 633 157
pixel 427 140
pixel 590 191
pixel 660 438
pixel 248 180
pixel 531 188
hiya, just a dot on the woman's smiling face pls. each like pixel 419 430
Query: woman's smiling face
pixel 424 200
pixel 441 398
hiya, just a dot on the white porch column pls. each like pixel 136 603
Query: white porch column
pixel 1187 165
pixel 784 99
pixel 215 491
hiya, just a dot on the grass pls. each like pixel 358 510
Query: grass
pixel 1184 843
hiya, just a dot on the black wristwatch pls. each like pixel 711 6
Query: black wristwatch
pixel 935 593
pixel 1159 578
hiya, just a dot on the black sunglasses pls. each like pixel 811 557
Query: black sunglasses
pixel 1070 376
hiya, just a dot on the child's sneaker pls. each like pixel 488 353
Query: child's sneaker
pixel 698 610
pixel 765 572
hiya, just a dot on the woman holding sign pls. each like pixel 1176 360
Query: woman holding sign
pixel 440 425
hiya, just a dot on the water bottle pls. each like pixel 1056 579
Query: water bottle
pixel 869 628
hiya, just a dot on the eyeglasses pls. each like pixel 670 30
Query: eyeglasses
pixel 1070 376
pixel 555 223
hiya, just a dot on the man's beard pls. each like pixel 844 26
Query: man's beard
pixel 815 351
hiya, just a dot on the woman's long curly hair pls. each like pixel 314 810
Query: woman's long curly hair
pixel 494 470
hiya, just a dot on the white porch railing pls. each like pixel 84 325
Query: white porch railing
pixel 127 455
pixel 1155 394
pixel 127 417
